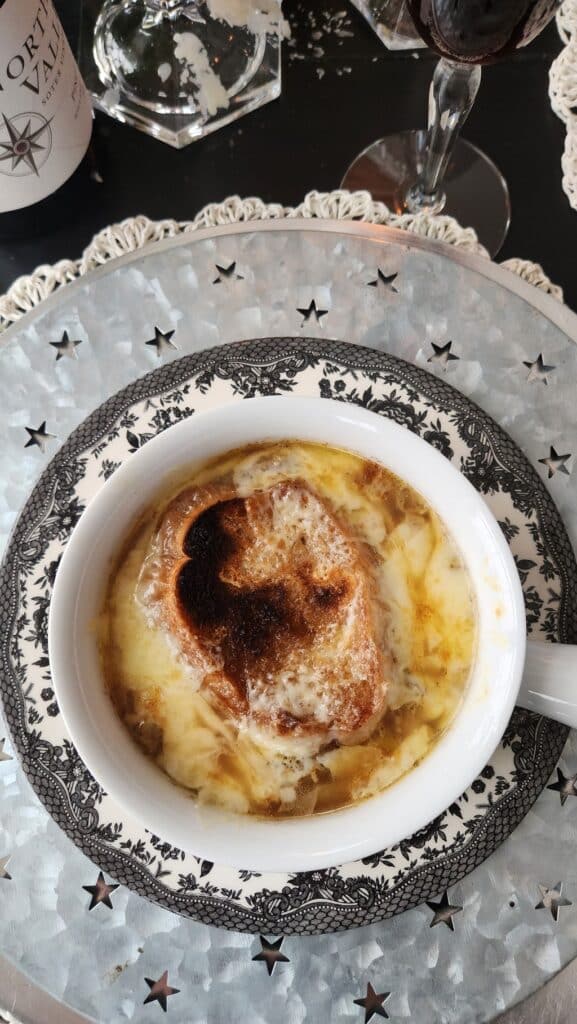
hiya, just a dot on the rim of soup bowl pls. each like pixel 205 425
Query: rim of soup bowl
pixel 318 841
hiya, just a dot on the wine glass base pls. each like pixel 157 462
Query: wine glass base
pixel 477 194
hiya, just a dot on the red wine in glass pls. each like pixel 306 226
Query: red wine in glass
pixel 480 31
pixel 435 171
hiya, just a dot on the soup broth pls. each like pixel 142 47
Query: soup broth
pixel 421 601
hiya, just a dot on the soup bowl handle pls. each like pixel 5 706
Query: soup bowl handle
pixel 549 684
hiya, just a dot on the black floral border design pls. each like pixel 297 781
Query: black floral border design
pixel 320 901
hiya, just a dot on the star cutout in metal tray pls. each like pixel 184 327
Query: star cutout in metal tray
pixel 38 437
pixel 159 990
pixel 443 912
pixel 551 899
pixel 442 354
pixel 162 341
pixel 271 954
pixel 565 786
pixel 227 273
pixel 385 281
pixel 373 1003
pixel 100 892
pixel 556 463
pixel 3 755
pixel 538 370
pixel 312 310
pixel 66 347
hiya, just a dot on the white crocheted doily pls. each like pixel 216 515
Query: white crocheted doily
pixel 563 94
pixel 136 232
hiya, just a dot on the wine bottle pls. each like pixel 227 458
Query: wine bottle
pixel 45 120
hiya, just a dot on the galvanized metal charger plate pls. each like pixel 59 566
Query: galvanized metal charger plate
pixel 389 881
pixel 380 289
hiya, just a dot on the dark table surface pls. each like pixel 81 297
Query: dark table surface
pixel 306 140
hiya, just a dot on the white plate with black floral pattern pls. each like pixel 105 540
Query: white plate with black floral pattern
pixel 394 879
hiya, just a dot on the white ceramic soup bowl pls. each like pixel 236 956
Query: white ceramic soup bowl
pixel 140 787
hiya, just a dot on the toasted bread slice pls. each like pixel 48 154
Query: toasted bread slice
pixel 273 600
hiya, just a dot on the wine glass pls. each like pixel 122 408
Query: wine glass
pixel 434 170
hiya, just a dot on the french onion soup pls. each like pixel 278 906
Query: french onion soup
pixel 288 630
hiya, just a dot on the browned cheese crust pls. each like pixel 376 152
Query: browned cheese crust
pixel 273 600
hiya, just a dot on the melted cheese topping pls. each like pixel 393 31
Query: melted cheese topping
pixel 430 635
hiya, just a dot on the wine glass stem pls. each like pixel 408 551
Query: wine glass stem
pixel 451 96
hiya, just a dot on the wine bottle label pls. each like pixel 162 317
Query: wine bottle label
pixel 45 109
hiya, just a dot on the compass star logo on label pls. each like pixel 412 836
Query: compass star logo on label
pixel 25 144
